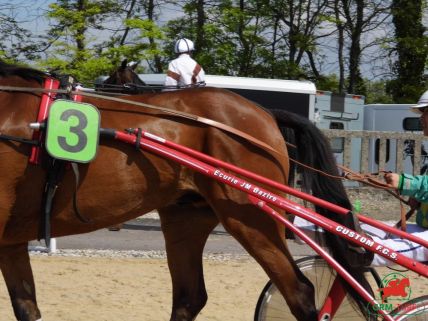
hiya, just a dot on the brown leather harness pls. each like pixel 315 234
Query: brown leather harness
pixel 51 89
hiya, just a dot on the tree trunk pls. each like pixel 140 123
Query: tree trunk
pixel 412 51
pixel 341 44
pixel 150 15
pixel 355 79
pixel 200 23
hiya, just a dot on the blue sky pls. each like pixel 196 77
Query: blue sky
pixel 32 13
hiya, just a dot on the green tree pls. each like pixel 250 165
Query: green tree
pixel 411 50
pixel 299 29
pixel 90 38
pixel 377 93
pixel 70 39
pixel 16 41
pixel 138 35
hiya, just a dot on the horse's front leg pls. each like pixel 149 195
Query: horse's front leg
pixel 186 230
pixel 17 273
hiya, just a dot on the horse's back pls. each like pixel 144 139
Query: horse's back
pixel 222 106
pixel 122 183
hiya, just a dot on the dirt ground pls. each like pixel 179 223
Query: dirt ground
pixel 83 289
pixel 90 288
pixel 97 288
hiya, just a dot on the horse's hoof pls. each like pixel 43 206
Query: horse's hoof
pixel 115 228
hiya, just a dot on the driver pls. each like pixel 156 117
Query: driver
pixel 184 71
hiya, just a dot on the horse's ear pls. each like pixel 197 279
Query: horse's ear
pixel 124 64
pixel 133 65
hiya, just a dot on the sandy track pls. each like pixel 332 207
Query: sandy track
pixel 114 288
pixel 82 289
pixel 94 288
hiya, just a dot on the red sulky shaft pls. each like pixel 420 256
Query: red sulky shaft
pixel 263 180
pixel 274 199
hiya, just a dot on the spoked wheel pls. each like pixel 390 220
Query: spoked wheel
pixel 271 306
pixel 413 310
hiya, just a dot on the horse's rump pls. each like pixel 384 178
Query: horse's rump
pixel 122 183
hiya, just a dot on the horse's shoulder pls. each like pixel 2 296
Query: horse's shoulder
pixel 250 104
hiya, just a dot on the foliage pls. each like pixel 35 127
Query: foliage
pixel 16 42
pixel 328 83
pixel 325 41
pixel 412 51
pixel 377 93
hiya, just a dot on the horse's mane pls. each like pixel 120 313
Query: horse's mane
pixel 7 70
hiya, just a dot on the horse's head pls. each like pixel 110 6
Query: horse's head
pixel 125 75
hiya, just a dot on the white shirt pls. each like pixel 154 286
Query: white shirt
pixel 184 71
pixel 408 248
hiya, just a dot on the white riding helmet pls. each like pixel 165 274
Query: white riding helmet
pixel 184 45
pixel 421 105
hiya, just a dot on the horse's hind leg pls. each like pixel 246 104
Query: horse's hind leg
pixel 17 273
pixel 264 240
pixel 186 230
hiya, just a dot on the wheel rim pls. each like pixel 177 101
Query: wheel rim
pixel 413 310
pixel 272 306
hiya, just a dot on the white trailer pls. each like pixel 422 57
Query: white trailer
pixel 342 112
pixel 291 95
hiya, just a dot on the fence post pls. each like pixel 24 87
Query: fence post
pixel 386 152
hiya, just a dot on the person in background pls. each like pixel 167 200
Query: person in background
pixel 408 185
pixel 184 71
pixel 415 186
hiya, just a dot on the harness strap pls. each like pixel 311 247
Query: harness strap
pixel 403 224
pixel 138 139
pixel 176 113
pixel 79 215
pixel 54 176
pixel 19 140
pixel 75 167
pixel 185 115
pixel 407 216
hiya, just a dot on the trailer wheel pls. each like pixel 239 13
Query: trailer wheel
pixel 271 306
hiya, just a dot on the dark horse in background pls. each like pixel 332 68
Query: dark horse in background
pixel 123 183
pixel 124 80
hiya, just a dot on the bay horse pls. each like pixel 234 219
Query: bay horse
pixel 124 80
pixel 123 183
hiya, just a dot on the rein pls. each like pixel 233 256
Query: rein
pixel 348 173
pixel 206 121
pixel 371 180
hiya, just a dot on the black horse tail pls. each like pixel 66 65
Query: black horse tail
pixel 313 150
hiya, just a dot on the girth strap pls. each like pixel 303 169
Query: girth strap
pixel 19 139
pixel 54 176
pixel 82 218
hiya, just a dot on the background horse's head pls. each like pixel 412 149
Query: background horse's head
pixel 124 79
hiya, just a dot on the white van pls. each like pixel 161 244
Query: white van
pixel 291 95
